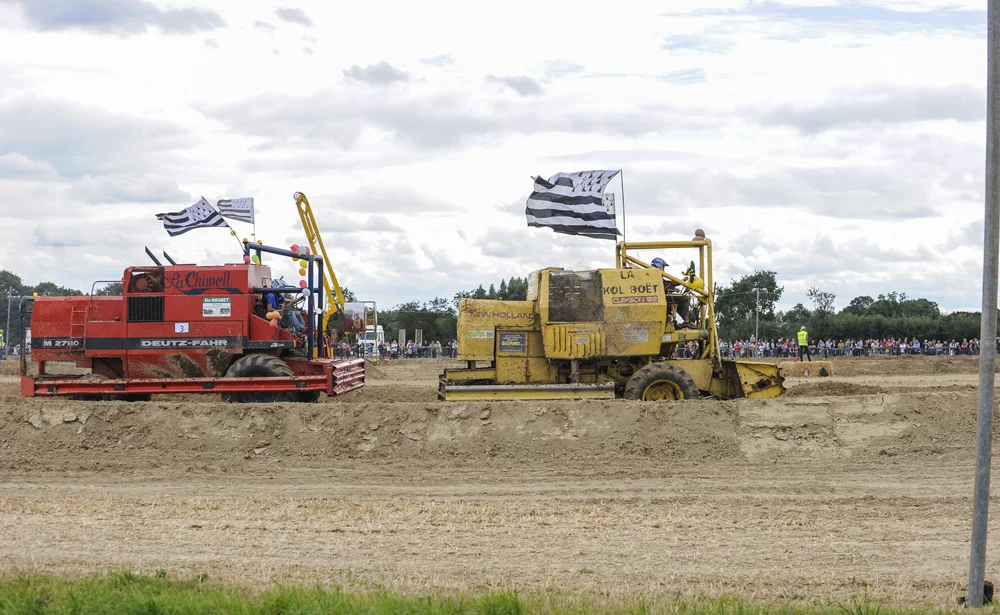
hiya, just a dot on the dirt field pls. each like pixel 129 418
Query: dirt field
pixel 856 483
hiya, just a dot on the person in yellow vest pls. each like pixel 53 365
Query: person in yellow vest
pixel 804 343
pixel 3 347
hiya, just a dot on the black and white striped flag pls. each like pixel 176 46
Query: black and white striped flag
pixel 237 209
pixel 199 215
pixel 574 204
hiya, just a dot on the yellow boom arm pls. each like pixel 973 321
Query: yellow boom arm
pixel 330 284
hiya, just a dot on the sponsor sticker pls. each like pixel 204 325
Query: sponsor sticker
pixel 513 342
pixel 480 335
pixel 192 342
pixel 216 307
pixel 636 299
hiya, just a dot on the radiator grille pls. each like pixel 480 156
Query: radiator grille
pixel 145 309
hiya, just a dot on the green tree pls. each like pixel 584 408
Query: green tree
pixel 113 289
pixel 919 308
pixel 437 318
pixel 822 301
pixel 11 285
pixel 888 305
pixel 859 306
pixel 822 310
pixel 736 305
pixel 795 317
pixel 48 289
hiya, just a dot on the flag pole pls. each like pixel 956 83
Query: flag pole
pixel 988 321
pixel 621 177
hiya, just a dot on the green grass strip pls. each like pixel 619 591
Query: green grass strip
pixel 127 593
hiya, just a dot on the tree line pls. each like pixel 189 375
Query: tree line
pixel 889 315
pixel 438 318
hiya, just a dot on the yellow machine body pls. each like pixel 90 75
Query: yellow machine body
pixel 585 334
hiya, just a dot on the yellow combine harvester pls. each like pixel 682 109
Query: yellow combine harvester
pixel 604 333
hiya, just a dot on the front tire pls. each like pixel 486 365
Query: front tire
pixel 661 382
pixel 259 366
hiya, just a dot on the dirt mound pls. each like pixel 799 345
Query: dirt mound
pixel 396 418
pixel 410 369
pixel 47 434
pixel 825 419
pixel 904 365
pixel 831 387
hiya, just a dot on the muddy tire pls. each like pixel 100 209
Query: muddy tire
pixel 258 366
pixel 661 382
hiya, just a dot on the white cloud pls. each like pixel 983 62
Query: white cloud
pixel 122 17
pixel 294 16
pixel 840 144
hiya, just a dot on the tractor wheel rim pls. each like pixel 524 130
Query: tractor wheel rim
pixel 662 390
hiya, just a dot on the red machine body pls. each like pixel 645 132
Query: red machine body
pixel 175 329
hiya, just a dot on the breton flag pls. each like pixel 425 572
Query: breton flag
pixel 574 204
pixel 199 215
pixel 237 209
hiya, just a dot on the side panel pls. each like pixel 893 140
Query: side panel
pixel 521 357
pixel 602 313
pixel 198 336
pixel 74 328
pixel 53 336
pixel 478 320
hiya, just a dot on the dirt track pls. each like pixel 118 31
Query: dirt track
pixel 854 482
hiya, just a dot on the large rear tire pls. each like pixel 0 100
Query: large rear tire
pixel 258 366
pixel 661 382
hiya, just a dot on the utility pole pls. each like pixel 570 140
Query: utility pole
pixel 756 317
pixel 6 332
pixel 988 326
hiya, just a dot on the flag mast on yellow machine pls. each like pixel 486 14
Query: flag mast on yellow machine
pixel 330 284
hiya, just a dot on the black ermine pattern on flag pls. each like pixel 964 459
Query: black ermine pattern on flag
pixel 574 204
pixel 237 209
pixel 199 215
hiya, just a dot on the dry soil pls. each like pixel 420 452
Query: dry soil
pixel 845 485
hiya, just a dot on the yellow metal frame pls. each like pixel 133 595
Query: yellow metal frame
pixel 330 284
pixel 704 246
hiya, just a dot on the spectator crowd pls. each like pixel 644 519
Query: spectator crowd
pixel 393 350
pixel 788 348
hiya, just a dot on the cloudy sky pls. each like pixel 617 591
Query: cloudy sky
pixel 838 143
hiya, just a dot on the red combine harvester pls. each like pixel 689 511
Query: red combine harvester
pixel 185 329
